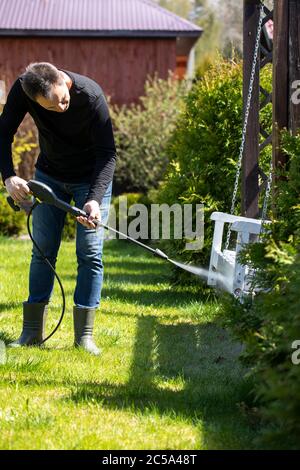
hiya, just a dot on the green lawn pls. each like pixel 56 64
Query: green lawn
pixel 168 377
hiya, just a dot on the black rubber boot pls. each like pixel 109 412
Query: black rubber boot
pixel 84 318
pixel 34 320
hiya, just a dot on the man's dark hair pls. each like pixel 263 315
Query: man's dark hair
pixel 38 79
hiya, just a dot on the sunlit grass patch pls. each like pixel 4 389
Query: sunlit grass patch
pixel 168 376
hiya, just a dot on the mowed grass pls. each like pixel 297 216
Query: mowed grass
pixel 168 376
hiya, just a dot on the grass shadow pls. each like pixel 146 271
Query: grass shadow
pixel 6 337
pixel 163 297
pixel 185 370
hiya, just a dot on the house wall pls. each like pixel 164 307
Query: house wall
pixel 119 65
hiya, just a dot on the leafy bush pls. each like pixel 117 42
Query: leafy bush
pixel 141 134
pixel 69 230
pixel 271 323
pixel 11 222
pixel 204 149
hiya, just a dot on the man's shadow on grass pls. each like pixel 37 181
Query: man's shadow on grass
pixel 184 370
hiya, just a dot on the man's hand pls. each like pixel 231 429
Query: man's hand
pixel 92 208
pixel 17 188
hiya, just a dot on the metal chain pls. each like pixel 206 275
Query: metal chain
pixel 267 196
pixel 245 126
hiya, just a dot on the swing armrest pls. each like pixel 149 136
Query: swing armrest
pixel 228 218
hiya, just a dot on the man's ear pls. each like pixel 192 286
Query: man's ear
pixel 62 76
pixel 67 80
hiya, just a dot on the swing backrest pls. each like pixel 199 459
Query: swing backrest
pixel 224 267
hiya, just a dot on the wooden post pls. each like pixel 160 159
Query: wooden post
pixel 285 95
pixel 250 184
pixel 280 77
pixel 286 78
pixel 294 65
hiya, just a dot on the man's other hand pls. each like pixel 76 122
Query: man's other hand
pixel 93 209
pixel 17 188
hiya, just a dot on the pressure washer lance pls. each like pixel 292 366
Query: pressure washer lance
pixel 44 194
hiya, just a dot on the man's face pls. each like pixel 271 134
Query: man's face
pixel 60 98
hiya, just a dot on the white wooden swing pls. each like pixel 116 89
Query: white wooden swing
pixel 225 270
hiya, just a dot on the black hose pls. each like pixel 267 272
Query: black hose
pixel 52 268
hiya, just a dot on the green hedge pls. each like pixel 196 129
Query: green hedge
pixel 270 324
pixel 204 148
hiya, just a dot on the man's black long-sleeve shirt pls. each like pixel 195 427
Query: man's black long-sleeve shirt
pixel 75 146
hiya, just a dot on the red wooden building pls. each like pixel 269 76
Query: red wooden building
pixel 118 43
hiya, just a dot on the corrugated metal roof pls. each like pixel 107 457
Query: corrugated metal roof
pixel 91 17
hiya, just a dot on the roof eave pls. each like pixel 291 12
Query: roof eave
pixel 100 33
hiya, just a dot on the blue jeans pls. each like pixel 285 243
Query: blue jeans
pixel 47 224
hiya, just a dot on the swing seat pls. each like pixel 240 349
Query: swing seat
pixel 225 272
